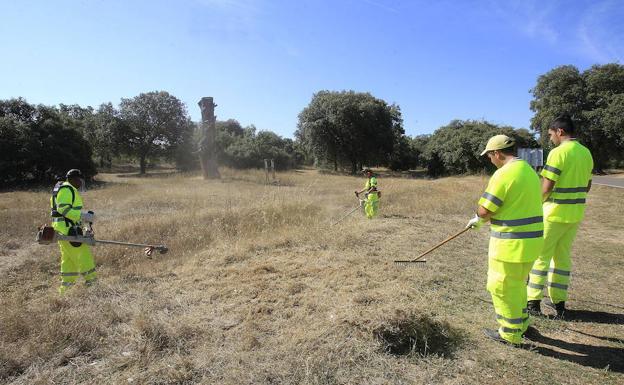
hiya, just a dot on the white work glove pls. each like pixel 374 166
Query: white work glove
pixel 87 216
pixel 475 223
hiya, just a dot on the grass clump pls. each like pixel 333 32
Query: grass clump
pixel 421 335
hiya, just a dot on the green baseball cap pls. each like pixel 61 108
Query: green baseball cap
pixel 498 142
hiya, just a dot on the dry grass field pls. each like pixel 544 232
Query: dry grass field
pixel 259 288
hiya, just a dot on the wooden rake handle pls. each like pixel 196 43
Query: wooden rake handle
pixel 440 244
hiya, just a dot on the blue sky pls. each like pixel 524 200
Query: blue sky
pixel 263 60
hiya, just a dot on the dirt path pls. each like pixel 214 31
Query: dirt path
pixel 14 256
pixel 608 181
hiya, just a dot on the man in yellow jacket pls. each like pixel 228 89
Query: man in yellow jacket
pixel 371 205
pixel 565 184
pixel 512 204
pixel 67 218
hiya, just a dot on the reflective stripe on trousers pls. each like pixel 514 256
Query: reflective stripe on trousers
pixel 75 262
pixel 552 269
pixel 507 285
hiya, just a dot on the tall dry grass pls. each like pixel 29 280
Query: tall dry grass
pixel 258 287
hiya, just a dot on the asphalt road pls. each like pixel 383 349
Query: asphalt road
pixel 608 181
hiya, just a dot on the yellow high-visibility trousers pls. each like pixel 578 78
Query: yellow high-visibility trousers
pixel 371 207
pixel 76 262
pixel 507 284
pixel 552 268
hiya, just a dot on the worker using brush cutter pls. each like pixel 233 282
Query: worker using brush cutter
pixel 512 204
pixel 67 217
pixel 565 184
pixel 372 194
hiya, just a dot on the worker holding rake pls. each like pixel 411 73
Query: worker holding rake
pixel 512 204
pixel 67 217
pixel 565 184
pixel 372 194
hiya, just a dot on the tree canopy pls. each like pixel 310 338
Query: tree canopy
pixel 349 129
pixel 593 98
pixel 156 123
pixel 456 147
pixel 240 147
pixel 38 143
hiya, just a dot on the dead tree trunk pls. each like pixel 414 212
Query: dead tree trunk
pixel 207 145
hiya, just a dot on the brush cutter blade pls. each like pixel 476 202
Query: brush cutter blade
pixel 150 249
pixel 410 263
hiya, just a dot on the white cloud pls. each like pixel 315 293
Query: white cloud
pixel 232 17
pixel 531 17
pixel 380 4
pixel 601 32
pixel 593 29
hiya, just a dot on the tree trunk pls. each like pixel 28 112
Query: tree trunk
pixel 142 164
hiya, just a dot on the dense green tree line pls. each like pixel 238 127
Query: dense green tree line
pixel 340 130
pixel 594 99
pixel 456 147
pixel 40 143
pixel 240 147
pixel 348 130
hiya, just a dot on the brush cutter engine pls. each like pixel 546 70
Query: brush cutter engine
pixel 47 235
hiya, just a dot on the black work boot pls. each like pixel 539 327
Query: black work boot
pixel 559 308
pixel 493 335
pixel 531 333
pixel 533 307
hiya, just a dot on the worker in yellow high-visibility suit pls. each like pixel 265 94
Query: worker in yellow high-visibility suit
pixel 372 194
pixel 565 184
pixel 512 204
pixel 67 217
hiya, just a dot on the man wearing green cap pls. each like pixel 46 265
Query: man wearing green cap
pixel 512 204
pixel 565 184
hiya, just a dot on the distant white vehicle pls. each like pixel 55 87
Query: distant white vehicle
pixel 534 156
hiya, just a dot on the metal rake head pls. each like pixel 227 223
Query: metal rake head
pixel 420 262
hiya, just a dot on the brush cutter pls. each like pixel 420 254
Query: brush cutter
pixel 47 235
pixel 419 260
pixel 360 204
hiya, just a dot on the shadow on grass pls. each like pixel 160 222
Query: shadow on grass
pixel 610 339
pixel 408 174
pixel 600 317
pixel 599 357
pixel 147 175
pixel 599 303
